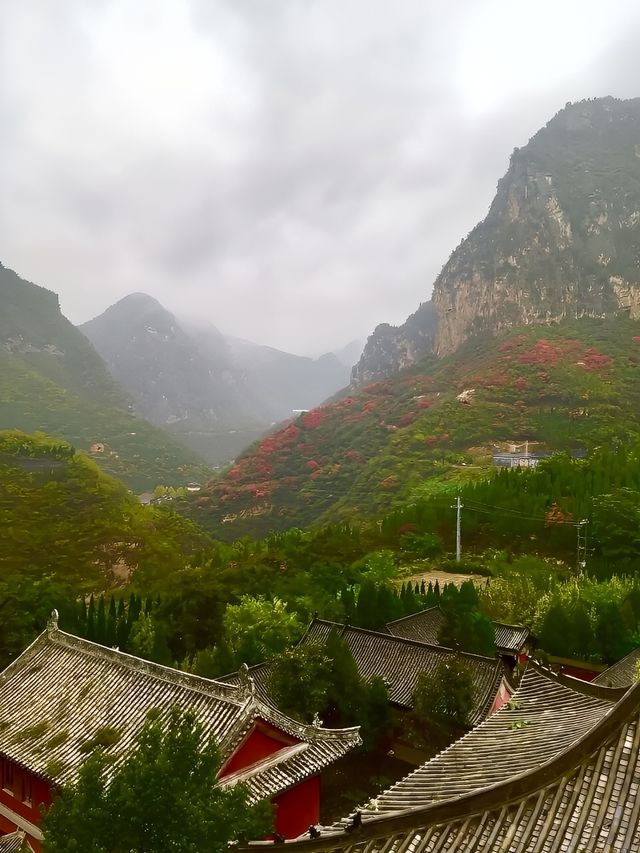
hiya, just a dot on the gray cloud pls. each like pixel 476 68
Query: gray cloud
pixel 293 172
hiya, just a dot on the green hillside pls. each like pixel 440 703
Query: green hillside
pixel 68 528
pixel 566 386
pixel 52 380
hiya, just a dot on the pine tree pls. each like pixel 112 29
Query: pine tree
pixel 91 619
pixel 101 622
pixel 112 624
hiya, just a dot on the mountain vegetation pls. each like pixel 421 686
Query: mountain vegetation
pixel 562 387
pixel 215 393
pixel 561 241
pixel 68 529
pixel 52 380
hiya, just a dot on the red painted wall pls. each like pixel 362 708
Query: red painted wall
pixel 23 793
pixel 502 697
pixel 298 808
pixel 262 740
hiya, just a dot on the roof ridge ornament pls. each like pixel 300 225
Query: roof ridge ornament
pixel 247 682
pixel 52 623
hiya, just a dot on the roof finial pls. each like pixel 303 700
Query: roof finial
pixel 317 722
pixel 247 683
pixel 53 620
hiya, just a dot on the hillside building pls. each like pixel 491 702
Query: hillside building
pixel 64 694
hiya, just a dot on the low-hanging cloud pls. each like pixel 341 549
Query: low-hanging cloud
pixel 293 172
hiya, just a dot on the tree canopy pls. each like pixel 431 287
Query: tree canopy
pixel 162 797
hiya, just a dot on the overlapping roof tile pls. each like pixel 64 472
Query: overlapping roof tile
pixel 426 624
pixel 567 782
pixel 65 693
pixel 400 661
pixel 622 673
pixel 13 842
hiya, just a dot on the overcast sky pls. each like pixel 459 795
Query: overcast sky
pixel 293 171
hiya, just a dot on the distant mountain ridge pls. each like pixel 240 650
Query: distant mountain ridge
pixel 561 241
pixel 216 393
pixel 53 380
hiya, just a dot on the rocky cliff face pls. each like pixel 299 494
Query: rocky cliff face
pixel 561 240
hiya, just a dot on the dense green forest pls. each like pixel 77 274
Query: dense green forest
pixel 562 387
pixel 68 530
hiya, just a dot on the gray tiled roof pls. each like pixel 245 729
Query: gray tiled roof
pixel 510 639
pixel 12 843
pixel 543 718
pixel 578 790
pixel 426 624
pixel 620 674
pixel 62 690
pixel 398 661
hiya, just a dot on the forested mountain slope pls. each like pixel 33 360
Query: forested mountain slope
pixel 52 379
pixel 566 386
pixel 68 528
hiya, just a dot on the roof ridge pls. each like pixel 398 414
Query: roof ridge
pixel 408 641
pixel 413 615
pixel 579 685
pixel 189 680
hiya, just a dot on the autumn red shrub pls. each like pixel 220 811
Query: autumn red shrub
pixel 354 456
pixel 407 419
pixel 547 352
pixel 312 464
pixel 314 418
pixel 593 359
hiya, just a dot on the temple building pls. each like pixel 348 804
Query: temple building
pixel 399 662
pixel 65 696
pixel 513 642
pixel 556 769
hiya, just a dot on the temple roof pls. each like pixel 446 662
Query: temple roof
pixel 620 674
pixel 13 842
pixel 568 780
pixel 399 662
pixel 543 718
pixel 426 624
pixel 65 693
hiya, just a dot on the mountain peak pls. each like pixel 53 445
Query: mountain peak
pixel 560 241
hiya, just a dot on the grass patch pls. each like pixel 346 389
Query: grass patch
pixel 54 767
pixel 32 732
pixel 102 739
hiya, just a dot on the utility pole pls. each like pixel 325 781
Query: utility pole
pixel 581 561
pixel 458 507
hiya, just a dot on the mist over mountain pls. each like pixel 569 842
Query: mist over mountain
pixel 561 241
pixel 216 393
